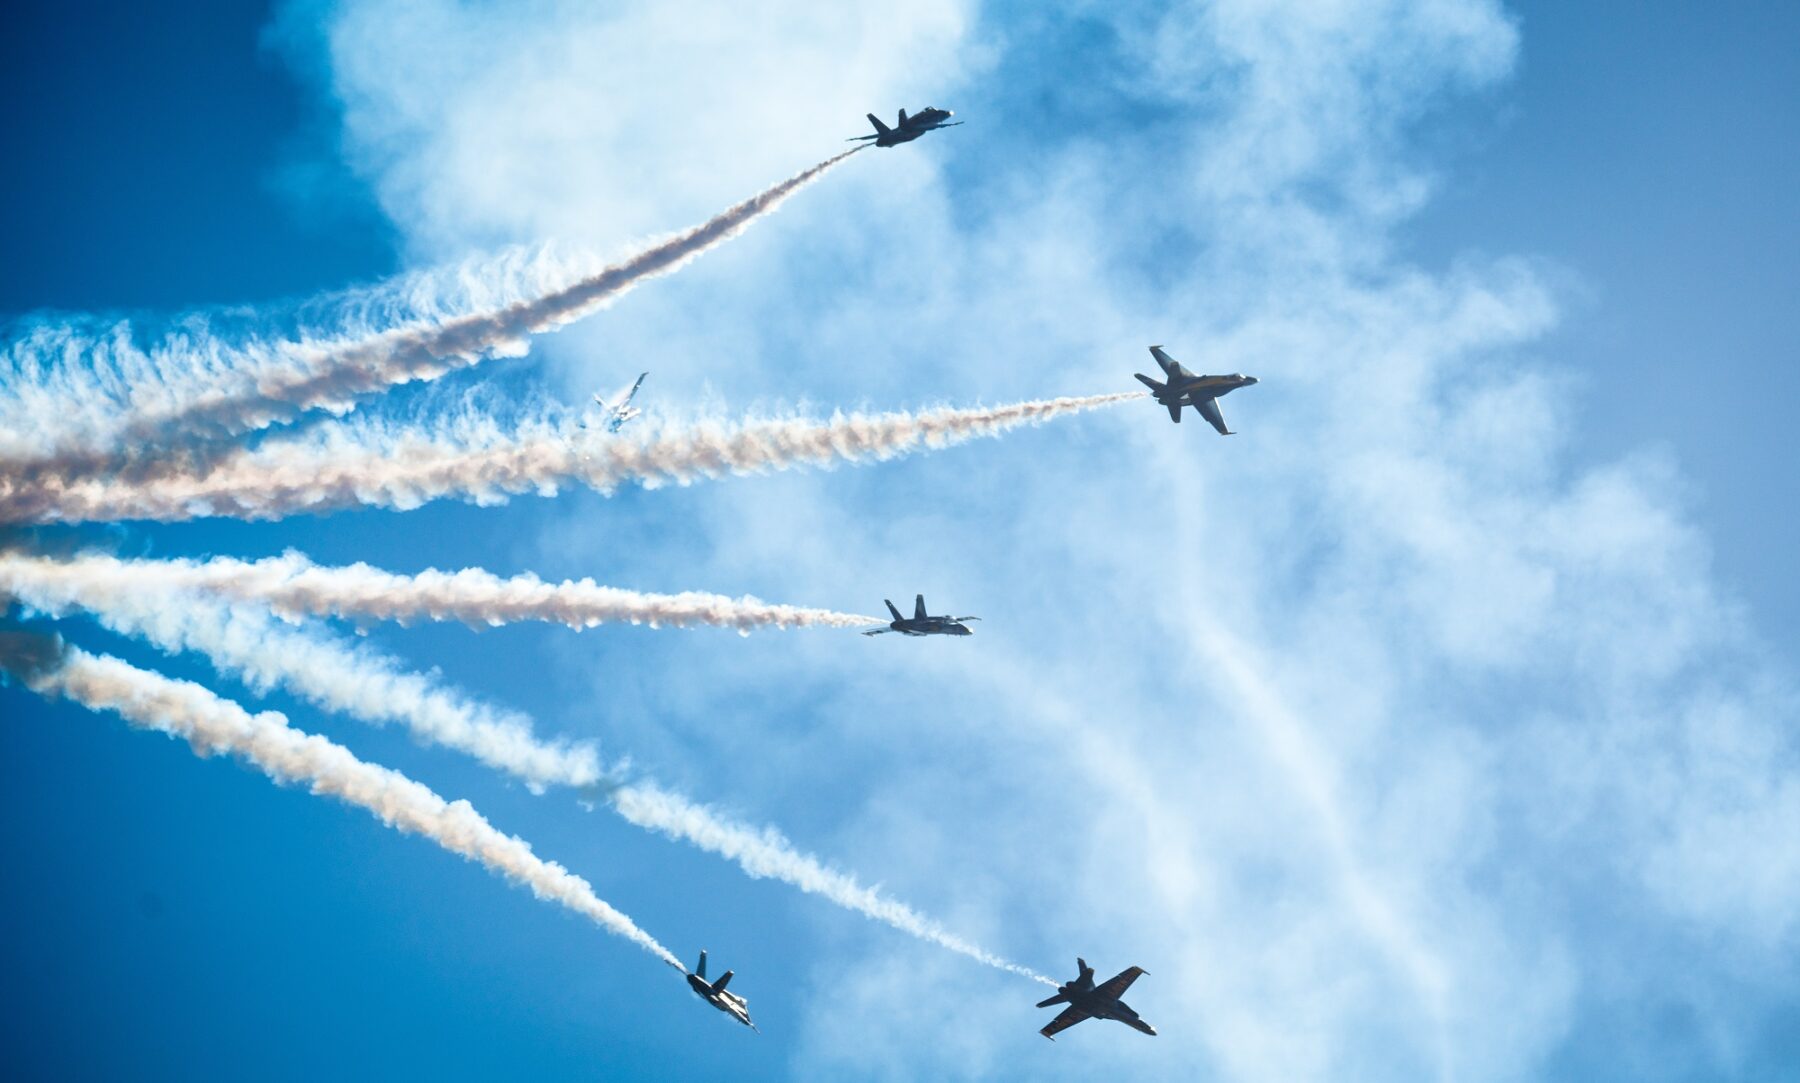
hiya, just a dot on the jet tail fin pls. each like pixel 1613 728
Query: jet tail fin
pixel 919 608
pixel 880 128
pixel 895 610
pixel 724 980
pixel 1060 998
pixel 700 971
pixel 902 118
pixel 1149 383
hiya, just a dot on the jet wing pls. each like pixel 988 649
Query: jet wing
pixel 1209 409
pixel 1116 985
pixel 1177 373
pixel 1069 1017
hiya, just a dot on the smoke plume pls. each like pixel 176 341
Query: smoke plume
pixel 353 680
pixel 212 726
pixel 295 587
pixel 307 376
pixel 266 654
pixel 766 853
pixel 410 469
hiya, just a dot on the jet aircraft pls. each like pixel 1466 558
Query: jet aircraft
pixel 929 119
pixel 922 625
pixel 1086 1001
pixel 729 1003
pixel 619 409
pixel 1186 389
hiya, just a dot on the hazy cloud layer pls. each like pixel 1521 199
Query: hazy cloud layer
pixel 1396 736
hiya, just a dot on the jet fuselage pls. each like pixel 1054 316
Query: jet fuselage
pixel 908 128
pixel 923 624
pixel 714 993
pixel 1085 1000
pixel 1184 388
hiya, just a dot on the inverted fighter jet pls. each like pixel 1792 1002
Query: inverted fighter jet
pixel 907 129
pixel 1186 389
pixel 1085 1001
pixel 729 1003
pixel 922 625
pixel 618 408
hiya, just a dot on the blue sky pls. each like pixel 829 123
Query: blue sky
pixel 1439 725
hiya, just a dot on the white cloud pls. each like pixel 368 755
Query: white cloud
pixel 1394 739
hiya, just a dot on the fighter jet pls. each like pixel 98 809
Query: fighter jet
pixel 922 625
pixel 619 409
pixel 1087 1002
pixel 929 119
pixel 729 1003
pixel 1186 389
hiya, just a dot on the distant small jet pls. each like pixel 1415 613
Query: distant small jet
pixel 618 409
pixel 922 625
pixel 729 1003
pixel 907 129
pixel 1085 1001
pixel 1186 389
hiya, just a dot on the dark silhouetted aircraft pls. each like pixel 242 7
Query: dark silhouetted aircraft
pixel 1186 389
pixel 1085 1001
pixel 922 625
pixel 729 1003
pixel 907 129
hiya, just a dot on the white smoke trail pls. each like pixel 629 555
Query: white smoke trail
pixel 306 376
pixel 284 479
pixel 83 383
pixel 330 674
pixel 213 725
pixel 766 853
pixel 295 587
pixel 350 681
